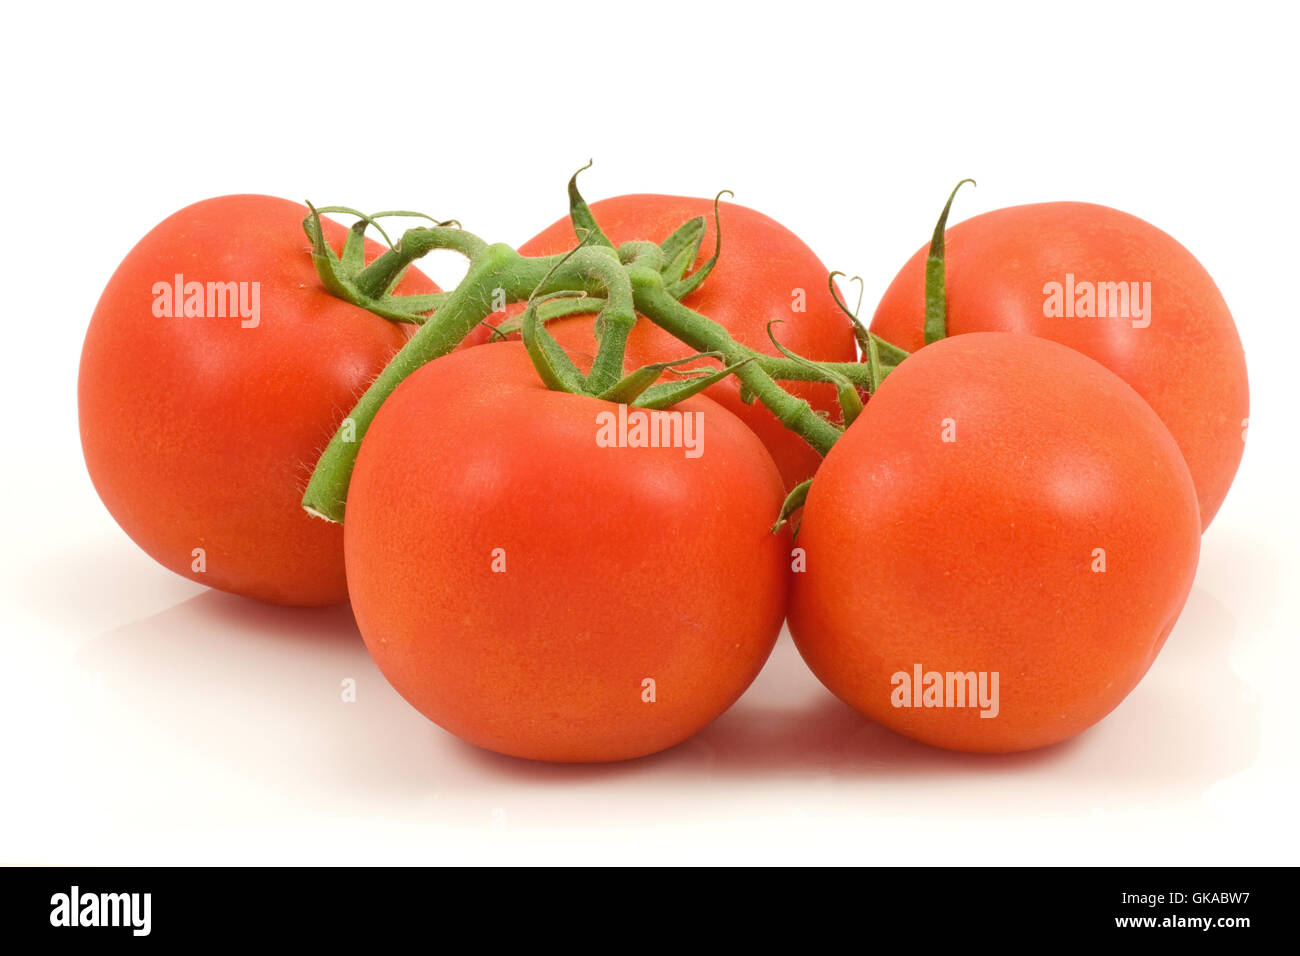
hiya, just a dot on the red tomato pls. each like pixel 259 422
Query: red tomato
pixel 754 282
pixel 1051 542
pixel 1187 362
pixel 520 584
pixel 200 431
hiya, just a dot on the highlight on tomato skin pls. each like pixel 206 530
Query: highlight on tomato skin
pixel 214 370
pixel 997 548
pixel 1113 287
pixel 544 594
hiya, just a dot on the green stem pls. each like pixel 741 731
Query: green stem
pixel 637 253
pixel 585 226
pixel 936 293
pixel 789 370
pixel 793 502
pixel 380 276
pixel 655 302
pixel 495 272
pixel 549 311
pixel 614 322
pixel 596 266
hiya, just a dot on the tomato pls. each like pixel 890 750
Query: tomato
pixel 1004 506
pixel 1182 355
pixel 543 596
pixel 200 432
pixel 764 274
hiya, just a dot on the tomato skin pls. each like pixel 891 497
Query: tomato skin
pixel 621 564
pixel 978 554
pixel 753 283
pixel 200 433
pixel 1188 363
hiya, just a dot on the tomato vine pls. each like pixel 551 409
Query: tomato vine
pixel 636 278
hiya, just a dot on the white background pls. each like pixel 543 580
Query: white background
pixel 144 719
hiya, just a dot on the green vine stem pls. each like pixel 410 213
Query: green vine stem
pixel 496 274
pixel 371 287
pixel 655 302
pixel 797 370
pixel 847 393
pixel 936 293
pixel 793 502
pixel 638 277
pixel 642 387
pixel 546 311
pixel 891 354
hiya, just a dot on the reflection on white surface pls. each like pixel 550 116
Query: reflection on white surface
pixel 213 730
pixel 224 716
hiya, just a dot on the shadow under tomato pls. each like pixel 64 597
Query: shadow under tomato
pixel 233 709
pixel 1189 724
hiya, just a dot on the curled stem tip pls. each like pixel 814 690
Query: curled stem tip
pixel 581 215
pixel 936 299
pixel 859 330
pixel 835 293
pixel 684 287
pixel 365 220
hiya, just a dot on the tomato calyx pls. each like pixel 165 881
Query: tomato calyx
pixel 657 294
pixel 681 249
pixel 618 284
pixel 888 354
pixel 657 291
pixel 348 277
pixel 936 296
pixel 497 276
pixel 640 387
pixel 793 502
pixel 614 321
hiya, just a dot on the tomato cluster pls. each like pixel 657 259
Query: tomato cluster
pixel 559 558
